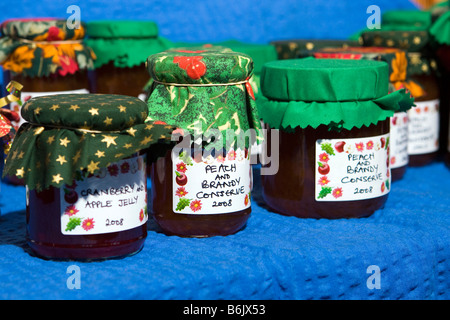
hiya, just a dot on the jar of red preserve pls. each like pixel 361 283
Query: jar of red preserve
pixel 332 117
pixel 81 159
pixel 202 187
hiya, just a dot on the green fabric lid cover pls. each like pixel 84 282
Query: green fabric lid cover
pixel 124 42
pixel 398 19
pixel 198 90
pixel 333 92
pixel 69 133
pixel 39 47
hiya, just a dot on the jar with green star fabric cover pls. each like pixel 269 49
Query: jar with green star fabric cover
pixel 332 117
pixel 122 47
pixel 425 119
pixel 398 79
pixel 81 157
pixel 202 187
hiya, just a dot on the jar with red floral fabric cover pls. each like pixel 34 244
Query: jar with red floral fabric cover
pixel 46 57
pixel 425 119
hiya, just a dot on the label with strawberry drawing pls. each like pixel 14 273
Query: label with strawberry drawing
pixel 352 169
pixel 213 185
pixel 113 200
pixel 25 96
pixel 399 140
pixel 423 128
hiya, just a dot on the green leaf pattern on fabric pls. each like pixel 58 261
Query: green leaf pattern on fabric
pixel 214 102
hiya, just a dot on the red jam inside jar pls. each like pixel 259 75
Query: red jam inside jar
pixel 101 216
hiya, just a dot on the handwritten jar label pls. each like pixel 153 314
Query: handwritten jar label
pixel 114 200
pixel 352 169
pixel 423 129
pixel 399 140
pixel 213 185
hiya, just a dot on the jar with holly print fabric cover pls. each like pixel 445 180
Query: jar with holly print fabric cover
pixel 332 116
pixel 201 187
pixel 81 158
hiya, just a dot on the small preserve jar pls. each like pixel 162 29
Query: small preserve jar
pixel 397 62
pixel 45 56
pixel 121 47
pixel 441 43
pixel 81 159
pixel 201 188
pixel 424 119
pixel 332 118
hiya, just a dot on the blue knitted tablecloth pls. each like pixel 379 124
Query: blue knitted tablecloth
pixel 274 257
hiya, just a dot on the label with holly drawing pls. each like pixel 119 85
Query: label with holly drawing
pixel 423 128
pixel 25 96
pixel 399 140
pixel 213 185
pixel 113 200
pixel 352 169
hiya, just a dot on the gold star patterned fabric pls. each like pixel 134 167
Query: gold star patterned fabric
pixel 68 133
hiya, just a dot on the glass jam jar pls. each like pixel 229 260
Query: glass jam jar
pixel 425 118
pixel 398 79
pixel 424 122
pixel 206 93
pixel 300 48
pixel 334 157
pixel 121 47
pixel 90 201
pixel 45 57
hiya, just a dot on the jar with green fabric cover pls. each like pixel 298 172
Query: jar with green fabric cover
pixel 332 116
pixel 201 187
pixel 81 158
pixel 122 47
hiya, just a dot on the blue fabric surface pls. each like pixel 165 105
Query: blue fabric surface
pixel 274 257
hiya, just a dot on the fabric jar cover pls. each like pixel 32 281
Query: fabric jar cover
pixel 333 92
pixel 198 90
pixel 126 43
pixel 41 47
pixel 68 133
pixel 394 57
